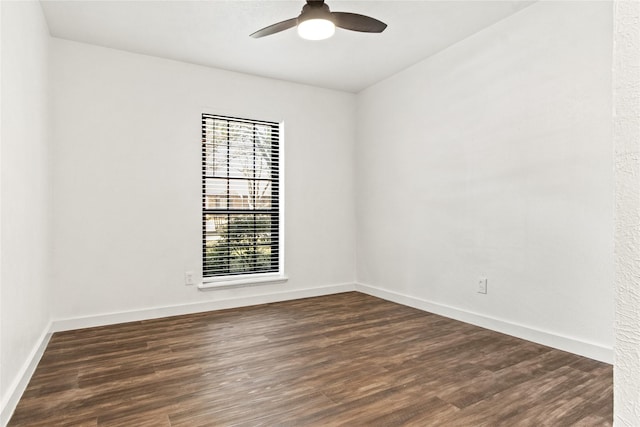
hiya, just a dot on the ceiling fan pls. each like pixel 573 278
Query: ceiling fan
pixel 317 22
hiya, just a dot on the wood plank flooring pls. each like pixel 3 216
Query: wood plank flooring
pixel 346 359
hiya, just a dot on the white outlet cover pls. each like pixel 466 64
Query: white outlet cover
pixel 188 278
pixel 482 286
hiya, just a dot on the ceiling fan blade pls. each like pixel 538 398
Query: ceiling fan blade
pixel 275 28
pixel 356 22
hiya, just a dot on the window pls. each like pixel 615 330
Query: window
pixel 240 198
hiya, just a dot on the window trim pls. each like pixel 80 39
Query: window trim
pixel 222 282
pixel 251 279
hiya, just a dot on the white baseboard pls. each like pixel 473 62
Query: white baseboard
pixel 19 384
pixel 572 345
pixel 59 325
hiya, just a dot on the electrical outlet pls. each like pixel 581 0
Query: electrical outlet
pixel 482 285
pixel 188 278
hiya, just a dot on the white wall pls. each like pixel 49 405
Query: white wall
pixel 494 158
pixel 626 73
pixel 25 193
pixel 127 178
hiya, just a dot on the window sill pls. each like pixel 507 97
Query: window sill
pixel 239 282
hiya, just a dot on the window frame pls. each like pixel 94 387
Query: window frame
pixel 244 278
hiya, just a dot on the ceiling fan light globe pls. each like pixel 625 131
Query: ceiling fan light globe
pixel 316 29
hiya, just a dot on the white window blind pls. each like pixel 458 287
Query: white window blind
pixel 240 196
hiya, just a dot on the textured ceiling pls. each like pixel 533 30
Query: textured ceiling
pixel 216 34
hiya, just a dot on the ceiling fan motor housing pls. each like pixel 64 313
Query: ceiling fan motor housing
pixel 315 10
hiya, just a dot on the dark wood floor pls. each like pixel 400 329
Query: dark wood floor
pixel 347 359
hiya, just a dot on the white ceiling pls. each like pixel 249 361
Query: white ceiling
pixel 216 34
